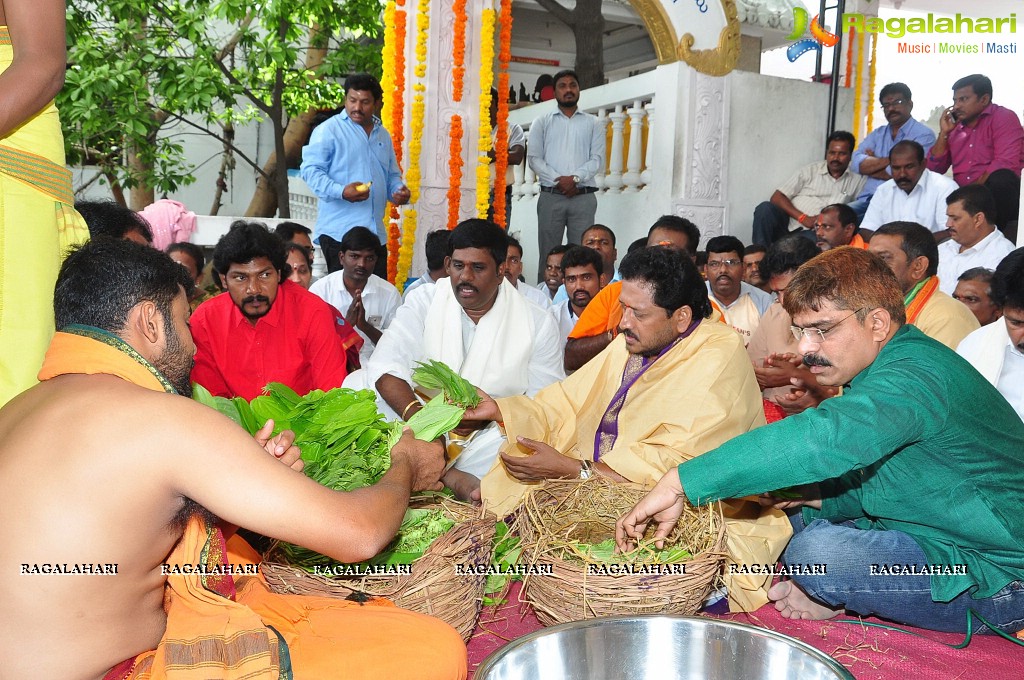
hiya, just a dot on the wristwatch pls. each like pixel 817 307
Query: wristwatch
pixel 576 179
pixel 586 469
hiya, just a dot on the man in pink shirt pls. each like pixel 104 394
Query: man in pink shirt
pixel 984 142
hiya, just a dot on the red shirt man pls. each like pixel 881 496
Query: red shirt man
pixel 265 329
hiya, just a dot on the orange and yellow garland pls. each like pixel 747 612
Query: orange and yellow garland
pixel 455 129
pixel 387 84
pixel 454 170
pixel 413 176
pixel 484 143
pixel 501 138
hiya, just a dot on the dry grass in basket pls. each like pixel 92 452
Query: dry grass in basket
pixel 439 585
pixel 568 584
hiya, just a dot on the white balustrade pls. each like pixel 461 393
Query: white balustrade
pixel 646 176
pixel 614 180
pixel 602 124
pixel 632 177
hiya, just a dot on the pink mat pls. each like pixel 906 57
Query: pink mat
pixel 869 653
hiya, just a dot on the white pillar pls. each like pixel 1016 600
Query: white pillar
pixel 645 176
pixel 636 140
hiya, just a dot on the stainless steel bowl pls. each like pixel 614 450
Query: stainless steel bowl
pixel 662 647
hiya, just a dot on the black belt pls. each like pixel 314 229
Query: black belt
pixel 579 190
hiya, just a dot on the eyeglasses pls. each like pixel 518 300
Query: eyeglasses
pixel 817 335
pixel 724 263
pixel 894 102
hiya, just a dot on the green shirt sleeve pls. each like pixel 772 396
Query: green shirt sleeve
pixel 836 442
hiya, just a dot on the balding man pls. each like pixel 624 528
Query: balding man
pixel 914 194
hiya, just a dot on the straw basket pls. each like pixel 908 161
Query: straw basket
pixel 565 584
pixel 440 584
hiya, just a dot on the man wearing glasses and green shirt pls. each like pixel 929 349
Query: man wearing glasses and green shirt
pixel 909 485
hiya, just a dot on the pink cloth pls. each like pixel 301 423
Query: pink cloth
pixel 995 143
pixel 171 222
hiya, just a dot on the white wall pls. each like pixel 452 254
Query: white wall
pixel 776 125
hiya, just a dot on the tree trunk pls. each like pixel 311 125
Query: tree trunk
pixel 142 194
pixel 587 24
pixel 265 199
pixel 588 29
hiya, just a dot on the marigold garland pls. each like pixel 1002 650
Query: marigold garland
pixel 409 222
pixel 397 130
pixel 454 170
pixel 484 143
pixel 387 84
pixel 871 83
pixel 858 88
pixel 501 139
pixel 459 49
pixel 849 57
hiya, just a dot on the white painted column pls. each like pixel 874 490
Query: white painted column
pixel 632 177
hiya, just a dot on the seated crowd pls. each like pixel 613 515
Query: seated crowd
pixel 866 352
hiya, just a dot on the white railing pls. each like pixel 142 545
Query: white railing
pixel 628 107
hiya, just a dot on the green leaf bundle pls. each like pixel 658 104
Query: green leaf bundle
pixel 436 375
pixel 438 417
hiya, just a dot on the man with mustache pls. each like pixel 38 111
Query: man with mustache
pixel 267 328
pixel 837 226
pixel 910 252
pixel 482 328
pixel 871 158
pixel 368 301
pixel 117 568
pixel 672 385
pixel 740 303
pixel 795 205
pixel 997 350
pixel 600 321
pixel 582 268
pixel 566 150
pixel 974 240
pixel 914 194
pixel 350 165
pixel 974 289
pixel 984 143
pixel 909 483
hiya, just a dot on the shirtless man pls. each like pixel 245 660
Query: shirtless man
pixel 99 467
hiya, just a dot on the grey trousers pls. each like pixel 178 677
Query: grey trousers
pixel 557 213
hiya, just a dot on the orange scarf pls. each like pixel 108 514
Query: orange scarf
pixel 919 298
pixel 92 351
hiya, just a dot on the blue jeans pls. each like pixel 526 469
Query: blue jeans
pixel 849 553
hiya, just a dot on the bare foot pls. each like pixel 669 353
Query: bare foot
pixel 794 603
pixel 465 485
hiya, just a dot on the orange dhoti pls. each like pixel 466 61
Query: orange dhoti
pixel 260 634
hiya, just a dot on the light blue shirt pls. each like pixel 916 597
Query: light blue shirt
pixel 564 146
pixel 881 141
pixel 339 153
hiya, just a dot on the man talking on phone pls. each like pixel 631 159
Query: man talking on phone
pixel 984 142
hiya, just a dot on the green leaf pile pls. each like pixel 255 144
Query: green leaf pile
pixel 346 444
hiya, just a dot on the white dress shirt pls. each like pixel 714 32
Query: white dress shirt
pixel 988 252
pixel 925 204
pixel 380 300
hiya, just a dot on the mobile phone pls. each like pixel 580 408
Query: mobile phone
pixel 953 115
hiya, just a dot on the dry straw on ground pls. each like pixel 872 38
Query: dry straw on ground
pixel 555 518
pixel 434 587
